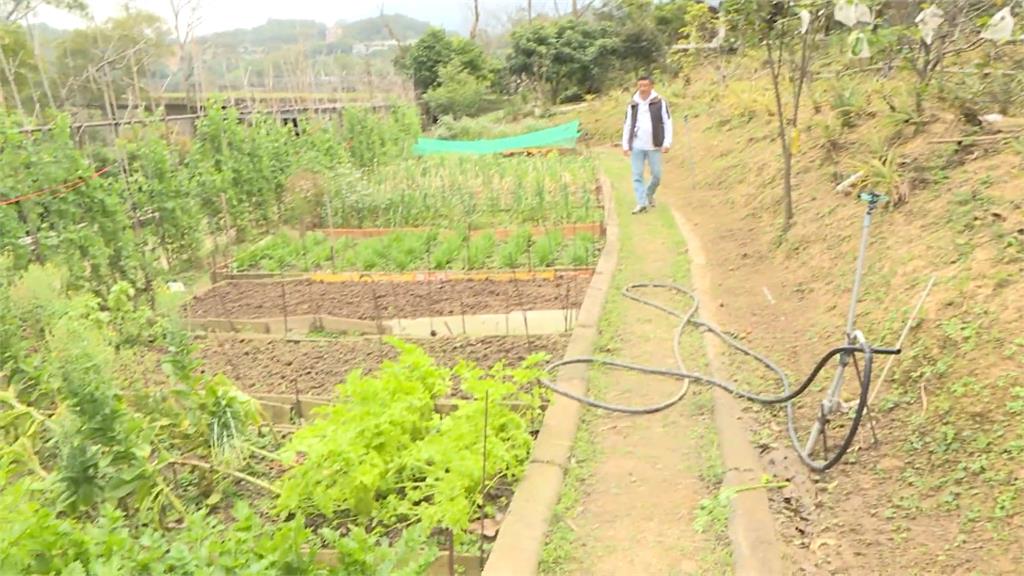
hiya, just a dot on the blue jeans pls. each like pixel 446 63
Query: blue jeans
pixel 645 192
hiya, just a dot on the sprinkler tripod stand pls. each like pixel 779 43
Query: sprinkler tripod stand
pixel 855 343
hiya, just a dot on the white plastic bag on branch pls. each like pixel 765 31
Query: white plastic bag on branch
pixel 1000 27
pixel 928 21
pixel 850 13
pixel 845 12
pixel 863 13
pixel 805 21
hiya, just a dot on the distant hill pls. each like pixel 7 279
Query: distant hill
pixel 317 37
pixel 267 37
pixel 376 29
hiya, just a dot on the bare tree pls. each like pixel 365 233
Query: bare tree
pixel 15 10
pixel 952 39
pixel 187 18
pixel 9 69
pixel 476 20
pixel 777 41
pixel 43 76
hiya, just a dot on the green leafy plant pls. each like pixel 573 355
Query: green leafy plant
pixel 383 455
pixel 230 417
pixel 547 248
pixel 582 250
pixel 449 248
pixel 480 250
pixel 514 249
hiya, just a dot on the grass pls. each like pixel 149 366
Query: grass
pixel 560 552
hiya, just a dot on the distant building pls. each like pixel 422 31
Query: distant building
pixel 364 48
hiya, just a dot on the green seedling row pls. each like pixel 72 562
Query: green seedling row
pixel 480 191
pixel 413 250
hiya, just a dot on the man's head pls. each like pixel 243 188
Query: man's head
pixel 644 86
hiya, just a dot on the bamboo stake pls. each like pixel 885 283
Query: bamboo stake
pixel 39 63
pixel 8 71
pixel 903 337
pixel 968 139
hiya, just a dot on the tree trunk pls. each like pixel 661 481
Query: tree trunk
pixel 11 80
pixel 775 67
pixel 787 187
pixel 39 65
pixel 476 20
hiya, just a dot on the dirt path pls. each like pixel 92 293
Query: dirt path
pixel 764 300
pixel 637 503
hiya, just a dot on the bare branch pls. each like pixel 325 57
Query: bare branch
pixel 476 20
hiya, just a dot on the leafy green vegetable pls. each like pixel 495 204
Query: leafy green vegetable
pixel 546 250
pixel 480 251
pixel 382 453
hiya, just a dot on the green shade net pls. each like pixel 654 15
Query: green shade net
pixel 562 136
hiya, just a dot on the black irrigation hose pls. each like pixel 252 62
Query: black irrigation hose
pixel 690 318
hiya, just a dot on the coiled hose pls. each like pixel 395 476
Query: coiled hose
pixel 690 318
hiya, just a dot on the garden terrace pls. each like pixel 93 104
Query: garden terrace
pixel 479 192
pixel 401 250
pixel 313 367
pixel 379 301
pixel 204 455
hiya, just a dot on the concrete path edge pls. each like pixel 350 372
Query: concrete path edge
pixel 520 543
pixel 752 532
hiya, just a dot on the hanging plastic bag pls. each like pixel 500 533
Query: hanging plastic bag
pixel 928 21
pixel 863 13
pixel 845 12
pixel 1000 27
pixel 805 21
pixel 852 13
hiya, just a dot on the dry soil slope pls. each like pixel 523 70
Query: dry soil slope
pixel 944 482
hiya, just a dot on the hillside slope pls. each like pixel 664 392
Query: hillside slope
pixel 944 480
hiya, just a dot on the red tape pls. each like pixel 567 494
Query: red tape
pixel 60 189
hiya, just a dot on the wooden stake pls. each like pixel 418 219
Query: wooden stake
pixel 8 71
pixel 903 337
pixel 483 476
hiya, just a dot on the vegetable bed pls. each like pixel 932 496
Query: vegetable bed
pixel 314 368
pixel 100 473
pixel 477 192
pixel 418 250
pixel 374 301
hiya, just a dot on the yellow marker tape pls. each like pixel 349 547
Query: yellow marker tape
pixel 498 276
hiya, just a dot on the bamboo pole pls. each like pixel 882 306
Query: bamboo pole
pixel 903 337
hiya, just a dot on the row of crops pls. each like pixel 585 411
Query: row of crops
pixel 475 192
pixel 418 250
pixel 150 205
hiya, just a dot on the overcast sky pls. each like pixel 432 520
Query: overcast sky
pixel 218 15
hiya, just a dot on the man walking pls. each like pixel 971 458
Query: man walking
pixel 646 135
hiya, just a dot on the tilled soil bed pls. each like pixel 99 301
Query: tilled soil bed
pixel 384 300
pixel 271 366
